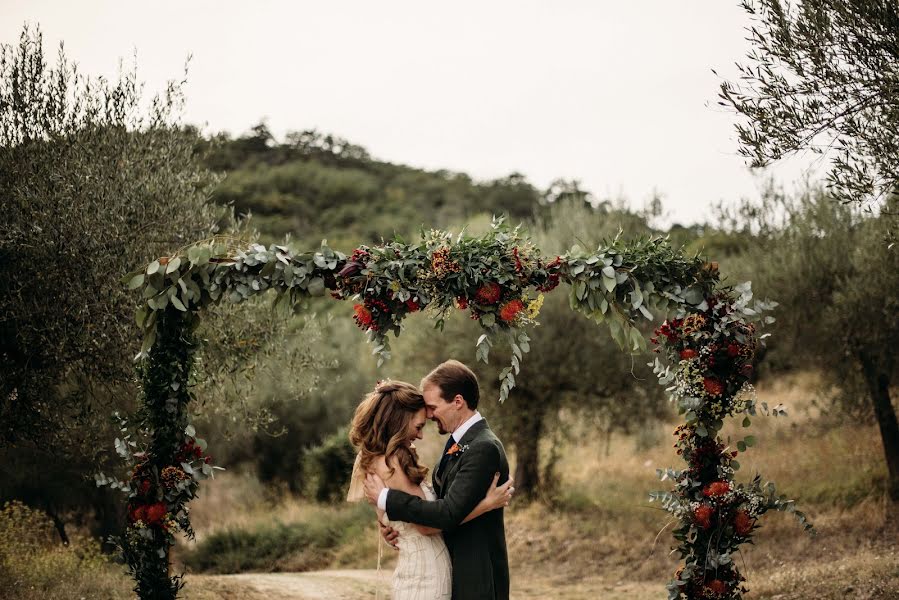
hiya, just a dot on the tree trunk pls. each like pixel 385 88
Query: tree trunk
pixel 527 450
pixel 60 527
pixel 878 382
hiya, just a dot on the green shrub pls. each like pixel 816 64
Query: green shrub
pixel 34 564
pixel 328 468
pixel 277 546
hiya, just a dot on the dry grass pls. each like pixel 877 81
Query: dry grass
pixel 600 537
pixel 604 529
pixel 34 565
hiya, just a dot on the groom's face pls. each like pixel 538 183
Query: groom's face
pixel 439 410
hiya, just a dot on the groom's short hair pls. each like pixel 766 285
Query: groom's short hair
pixel 452 377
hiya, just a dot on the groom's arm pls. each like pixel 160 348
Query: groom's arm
pixel 467 489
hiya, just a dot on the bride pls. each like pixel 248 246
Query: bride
pixel 384 427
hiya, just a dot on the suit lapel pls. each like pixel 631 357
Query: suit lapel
pixel 449 472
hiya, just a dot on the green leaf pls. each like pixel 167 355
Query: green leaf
pixel 741 446
pixel 608 283
pixel 316 286
pixel 136 281
pixel 149 340
pixel 750 440
pixel 153 267
pixel 268 269
pixel 178 304
pixel 580 289
pixel 173 265
pixel 746 422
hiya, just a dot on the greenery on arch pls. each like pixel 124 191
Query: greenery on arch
pixel 707 344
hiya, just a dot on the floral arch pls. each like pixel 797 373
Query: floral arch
pixel 704 358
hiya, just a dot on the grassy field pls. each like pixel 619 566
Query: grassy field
pixel 601 534
pixel 599 537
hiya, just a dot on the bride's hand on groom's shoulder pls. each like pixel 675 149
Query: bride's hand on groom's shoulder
pixel 499 496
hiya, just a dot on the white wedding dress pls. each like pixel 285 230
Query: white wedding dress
pixel 423 569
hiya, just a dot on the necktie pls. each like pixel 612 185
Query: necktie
pixel 449 444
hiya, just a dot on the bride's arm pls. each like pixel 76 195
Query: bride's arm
pixel 497 497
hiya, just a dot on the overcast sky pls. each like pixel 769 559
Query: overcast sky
pixel 619 95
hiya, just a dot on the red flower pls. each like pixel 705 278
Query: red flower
pixel 713 386
pixel 733 350
pixel 155 513
pixel 518 267
pixel 716 586
pixel 510 310
pixel 715 489
pixel 743 523
pixel 552 281
pixel 489 293
pixel 363 316
pixel 462 302
pixel 688 353
pixel 412 305
pixel 138 513
pixel 144 487
pixel 703 515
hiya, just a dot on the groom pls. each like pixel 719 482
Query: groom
pixel 473 455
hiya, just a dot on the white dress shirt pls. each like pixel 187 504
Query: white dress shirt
pixel 460 431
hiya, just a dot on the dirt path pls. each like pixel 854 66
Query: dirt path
pixel 364 585
pixel 314 585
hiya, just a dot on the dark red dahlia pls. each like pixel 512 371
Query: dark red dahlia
pixel 743 523
pixel 489 293
pixel 716 587
pixel 703 515
pixel 156 513
pixel 716 489
pixel 713 386
pixel 137 513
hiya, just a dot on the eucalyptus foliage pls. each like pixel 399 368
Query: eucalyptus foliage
pixel 493 277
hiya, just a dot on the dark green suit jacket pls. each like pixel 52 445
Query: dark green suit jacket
pixel 477 548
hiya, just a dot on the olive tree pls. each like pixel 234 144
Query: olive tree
pixel 823 77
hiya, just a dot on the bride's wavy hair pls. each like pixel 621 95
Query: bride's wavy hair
pixel 380 426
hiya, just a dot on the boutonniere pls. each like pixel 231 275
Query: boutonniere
pixel 456 450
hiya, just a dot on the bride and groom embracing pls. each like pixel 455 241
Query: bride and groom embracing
pixel 450 534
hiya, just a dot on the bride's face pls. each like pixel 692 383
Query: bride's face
pixel 416 425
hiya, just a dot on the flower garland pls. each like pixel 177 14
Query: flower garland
pixel 499 279
pixel 709 349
